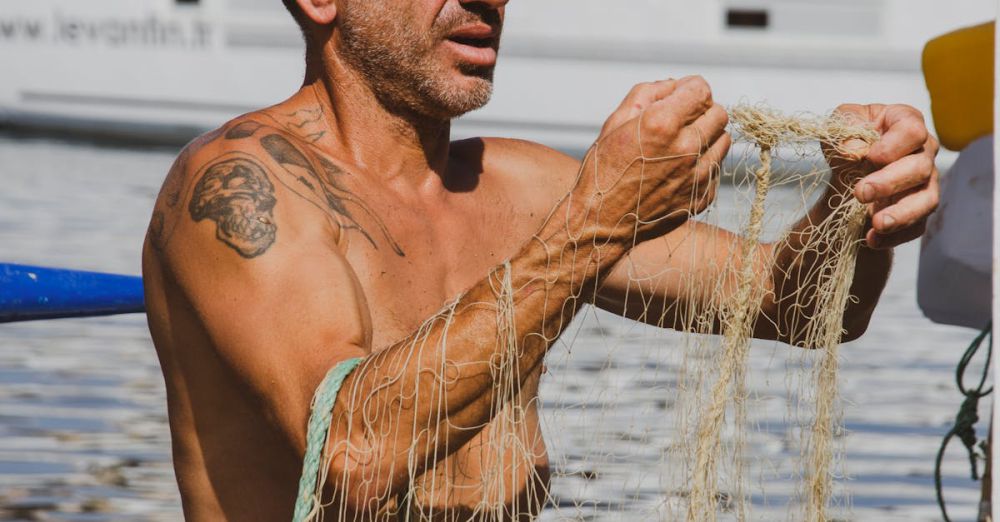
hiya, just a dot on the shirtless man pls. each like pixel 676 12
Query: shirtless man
pixel 332 225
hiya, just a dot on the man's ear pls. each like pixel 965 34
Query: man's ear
pixel 321 12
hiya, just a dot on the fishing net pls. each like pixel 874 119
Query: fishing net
pixel 641 422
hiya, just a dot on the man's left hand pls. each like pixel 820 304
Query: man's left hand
pixel 902 188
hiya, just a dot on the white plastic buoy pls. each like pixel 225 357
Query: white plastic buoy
pixel 956 260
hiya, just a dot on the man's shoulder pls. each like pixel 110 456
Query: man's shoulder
pixel 243 134
pixel 249 165
pixel 522 160
pixel 258 141
pixel 232 143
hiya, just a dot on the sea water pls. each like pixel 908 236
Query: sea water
pixel 83 424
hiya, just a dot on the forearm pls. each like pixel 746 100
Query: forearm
pixel 415 402
pixel 896 178
pixel 663 281
pixel 870 277
pixel 798 269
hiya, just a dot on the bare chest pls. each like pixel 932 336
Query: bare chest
pixel 421 260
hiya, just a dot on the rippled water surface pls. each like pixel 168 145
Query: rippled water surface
pixel 83 427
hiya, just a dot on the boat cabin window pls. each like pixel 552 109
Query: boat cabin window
pixel 808 19
pixel 746 18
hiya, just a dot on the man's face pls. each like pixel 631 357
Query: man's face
pixel 431 57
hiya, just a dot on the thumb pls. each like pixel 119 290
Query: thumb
pixel 853 149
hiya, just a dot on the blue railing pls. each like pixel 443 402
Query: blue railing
pixel 32 292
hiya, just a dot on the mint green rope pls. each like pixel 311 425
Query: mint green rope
pixel 319 427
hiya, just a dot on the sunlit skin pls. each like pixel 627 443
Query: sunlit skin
pixel 333 224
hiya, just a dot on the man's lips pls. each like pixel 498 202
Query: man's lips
pixel 477 30
pixel 475 44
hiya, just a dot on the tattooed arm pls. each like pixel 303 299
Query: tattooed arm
pixel 255 252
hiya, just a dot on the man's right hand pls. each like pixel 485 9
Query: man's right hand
pixel 657 160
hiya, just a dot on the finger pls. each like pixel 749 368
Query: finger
pixel 638 99
pixel 711 125
pixel 645 94
pixel 714 156
pixel 904 132
pixel 692 140
pixel 690 98
pixel 858 112
pixel 703 132
pixel 853 149
pixel 909 210
pixel 662 123
pixel 707 173
pixel 887 241
pixel 908 172
pixel 882 204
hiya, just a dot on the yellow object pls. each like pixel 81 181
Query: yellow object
pixel 958 69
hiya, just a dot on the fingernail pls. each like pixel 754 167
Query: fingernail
pixel 888 221
pixel 867 192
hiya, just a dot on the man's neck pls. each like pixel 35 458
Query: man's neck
pixel 401 148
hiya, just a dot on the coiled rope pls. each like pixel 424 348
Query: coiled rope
pixel 307 503
pixel 968 416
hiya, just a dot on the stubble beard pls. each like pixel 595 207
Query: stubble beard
pixel 397 63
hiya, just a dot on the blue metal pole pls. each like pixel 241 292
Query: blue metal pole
pixel 30 292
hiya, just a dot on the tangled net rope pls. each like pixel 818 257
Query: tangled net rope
pixel 711 381
pixel 824 290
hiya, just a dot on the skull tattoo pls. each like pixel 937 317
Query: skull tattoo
pixel 238 196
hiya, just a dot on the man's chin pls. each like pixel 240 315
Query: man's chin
pixel 471 92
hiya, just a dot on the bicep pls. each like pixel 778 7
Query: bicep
pixel 283 313
pixel 277 301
